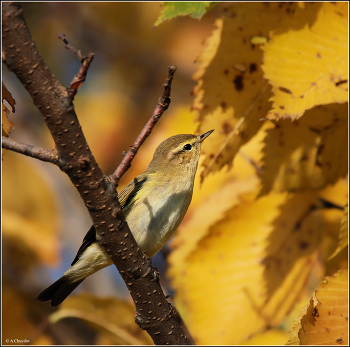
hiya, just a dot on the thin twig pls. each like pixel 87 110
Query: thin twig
pixel 162 105
pixel 40 153
pixel 68 46
pixel 80 77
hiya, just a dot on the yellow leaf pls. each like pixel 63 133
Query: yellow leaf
pixel 293 333
pixel 231 95
pixel 243 275
pixel 230 134
pixel 5 122
pixel 306 154
pixel 109 315
pixel 228 101
pixel 338 195
pixel 327 323
pixel 206 214
pixel 344 233
pixel 309 67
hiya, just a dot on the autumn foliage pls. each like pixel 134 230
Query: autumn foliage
pixel 262 254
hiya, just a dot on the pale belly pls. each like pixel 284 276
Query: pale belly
pixel 153 221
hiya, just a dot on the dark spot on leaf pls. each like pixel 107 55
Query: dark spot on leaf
pixel 301 96
pixel 340 340
pixel 223 105
pixel 290 11
pixel 226 71
pixel 297 226
pixel 327 330
pixel 238 81
pixel 285 90
pixel 244 41
pixel 212 155
pixel 303 245
pixel 242 134
pixel 252 67
pixel 318 55
pixel 240 29
pixel 281 107
pixel 341 82
pixel 315 312
pixel 233 15
pixel 226 128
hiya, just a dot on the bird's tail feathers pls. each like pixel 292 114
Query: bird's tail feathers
pixel 58 291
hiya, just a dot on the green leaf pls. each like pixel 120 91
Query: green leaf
pixel 175 9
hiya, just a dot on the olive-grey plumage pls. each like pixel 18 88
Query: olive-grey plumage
pixel 154 204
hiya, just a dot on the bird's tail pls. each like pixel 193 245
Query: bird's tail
pixel 58 291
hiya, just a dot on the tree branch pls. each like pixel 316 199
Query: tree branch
pixel 162 105
pixel 153 312
pixel 79 78
pixel 30 150
pixel 68 46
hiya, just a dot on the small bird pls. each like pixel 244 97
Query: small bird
pixel 154 204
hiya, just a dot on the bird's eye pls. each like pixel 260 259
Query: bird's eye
pixel 187 147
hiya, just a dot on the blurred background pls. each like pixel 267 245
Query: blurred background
pixel 44 218
pixel 240 272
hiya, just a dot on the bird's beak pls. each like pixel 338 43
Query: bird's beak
pixel 201 138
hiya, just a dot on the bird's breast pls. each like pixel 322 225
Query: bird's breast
pixel 156 213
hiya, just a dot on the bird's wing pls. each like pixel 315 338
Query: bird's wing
pixel 126 198
pixel 127 195
pixel 89 239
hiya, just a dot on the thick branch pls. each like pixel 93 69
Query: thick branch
pixel 30 150
pixel 153 312
pixel 162 105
